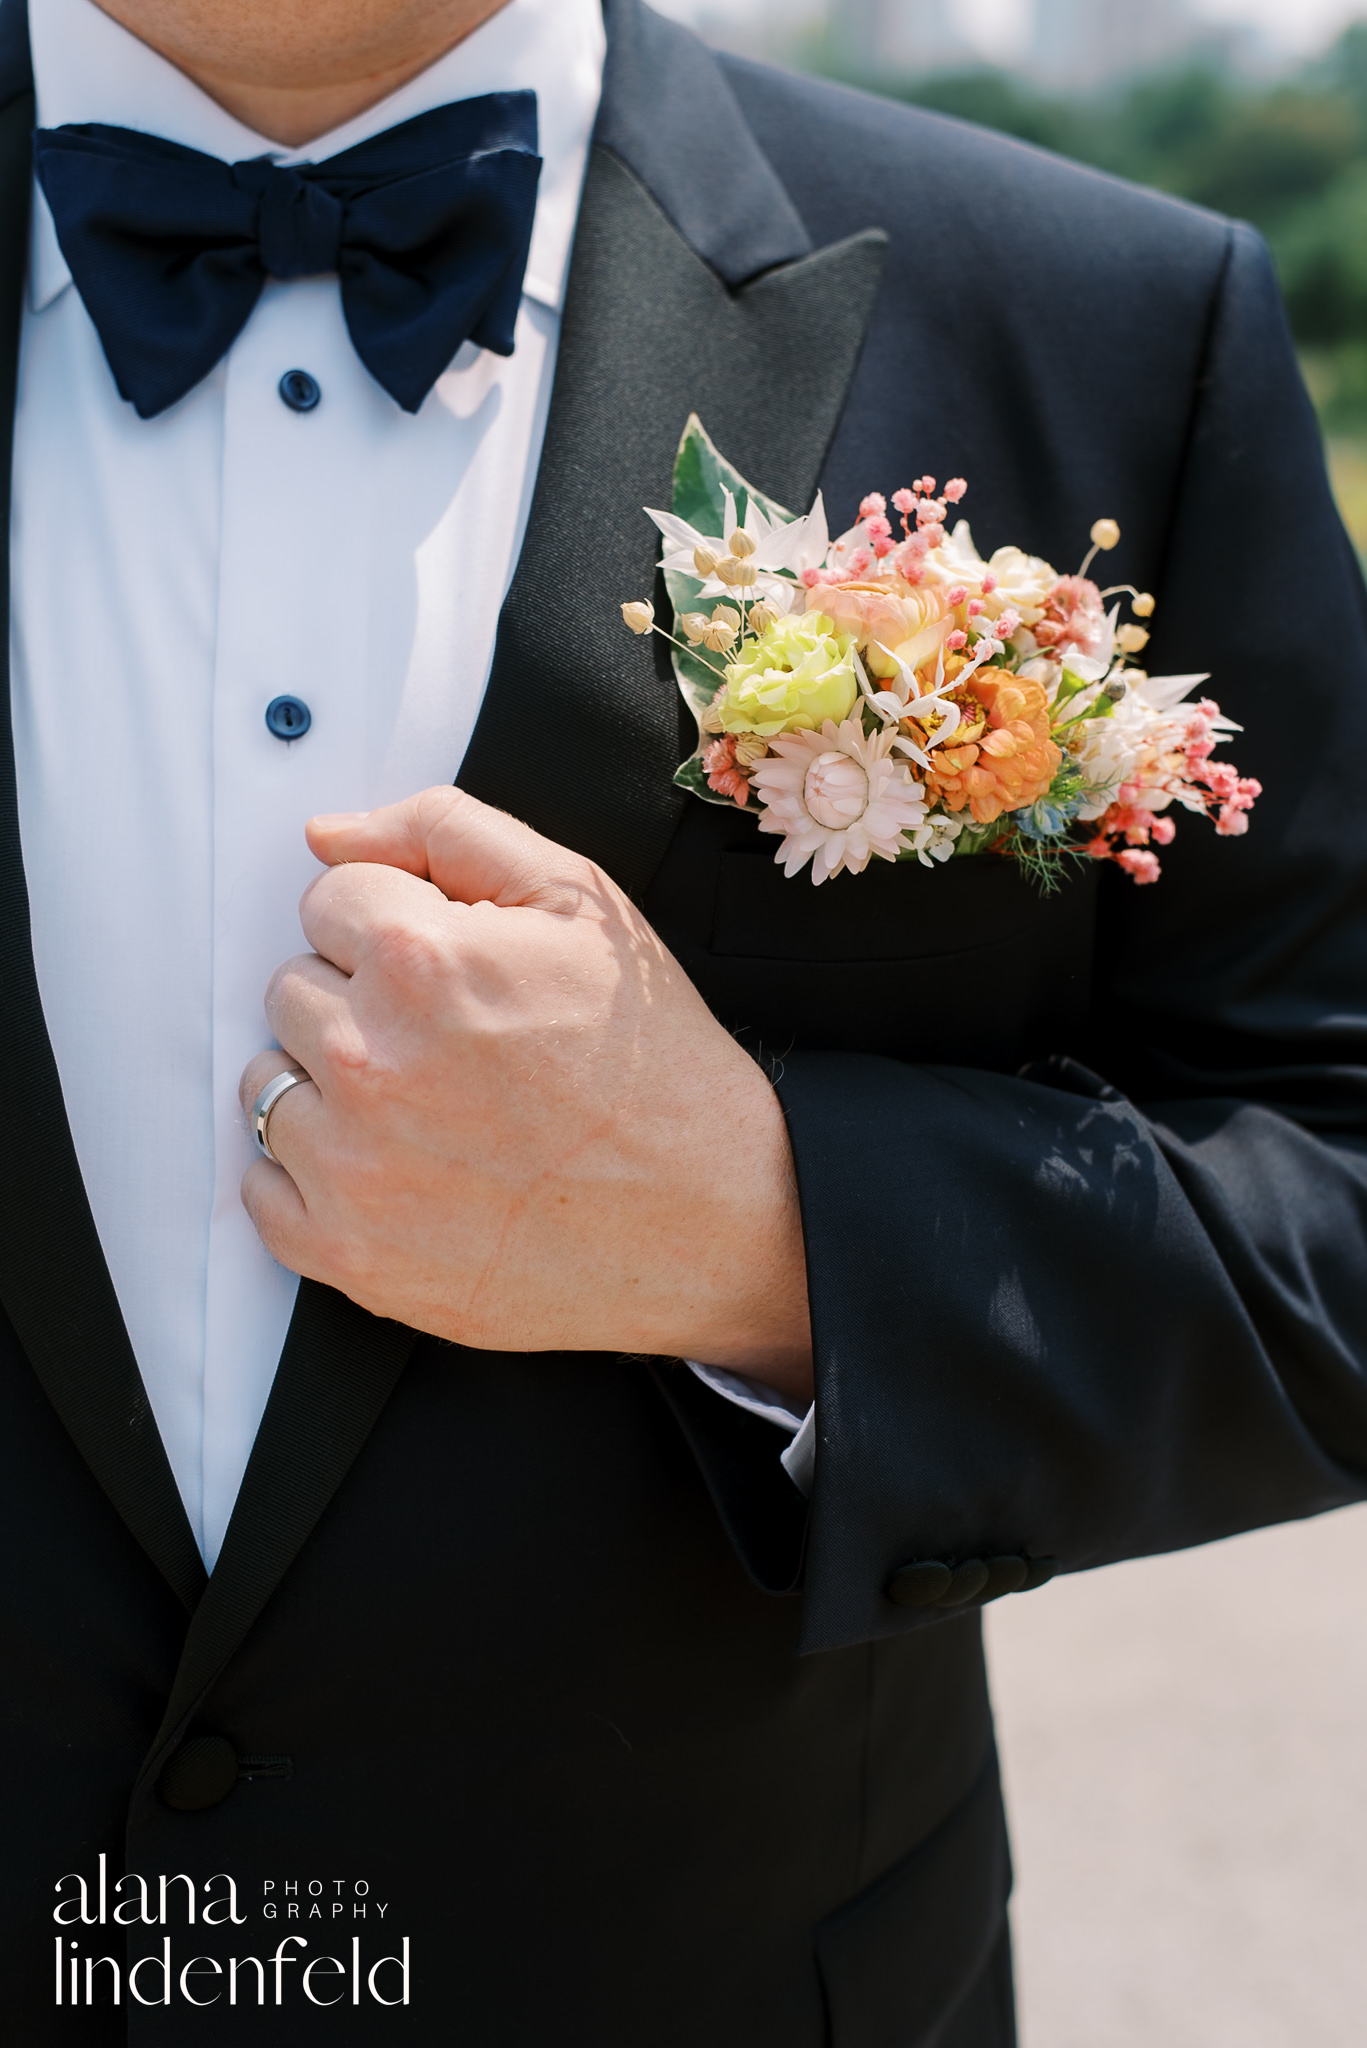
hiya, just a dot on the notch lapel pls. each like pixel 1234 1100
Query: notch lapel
pixel 54 1283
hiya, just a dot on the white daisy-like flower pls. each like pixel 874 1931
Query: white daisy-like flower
pixel 839 798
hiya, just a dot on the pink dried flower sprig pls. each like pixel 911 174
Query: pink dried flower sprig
pixel 1214 789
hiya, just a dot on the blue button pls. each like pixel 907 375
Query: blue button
pixel 289 718
pixel 300 391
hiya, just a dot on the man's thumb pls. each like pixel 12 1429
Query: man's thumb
pixel 473 853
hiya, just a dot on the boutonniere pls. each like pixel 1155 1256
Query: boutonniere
pixel 890 695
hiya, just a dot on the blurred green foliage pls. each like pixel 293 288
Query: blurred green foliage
pixel 1290 157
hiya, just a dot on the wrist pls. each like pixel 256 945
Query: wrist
pixel 759 1325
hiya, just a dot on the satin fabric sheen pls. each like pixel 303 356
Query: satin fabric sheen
pixel 427 226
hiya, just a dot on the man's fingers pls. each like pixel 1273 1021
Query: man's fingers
pixel 473 853
pixel 277 1209
pixel 307 1009
pixel 348 910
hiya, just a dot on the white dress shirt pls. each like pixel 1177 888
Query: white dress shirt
pixel 171 577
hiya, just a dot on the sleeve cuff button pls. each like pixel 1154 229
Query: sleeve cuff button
pixel 919 1585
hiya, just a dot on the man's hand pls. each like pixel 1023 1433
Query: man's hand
pixel 526 1131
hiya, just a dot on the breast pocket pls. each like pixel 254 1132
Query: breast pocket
pixel 965 963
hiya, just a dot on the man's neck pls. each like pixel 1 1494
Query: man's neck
pixel 295 69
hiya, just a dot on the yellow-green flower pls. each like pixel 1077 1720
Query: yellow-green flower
pixel 796 675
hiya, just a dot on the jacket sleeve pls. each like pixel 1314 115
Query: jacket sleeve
pixel 1117 1304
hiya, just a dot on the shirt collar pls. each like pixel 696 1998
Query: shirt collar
pixel 87 67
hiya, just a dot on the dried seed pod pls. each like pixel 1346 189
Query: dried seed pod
pixel 639 616
pixel 741 545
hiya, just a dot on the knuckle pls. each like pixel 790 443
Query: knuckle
pixel 343 1051
pixel 413 956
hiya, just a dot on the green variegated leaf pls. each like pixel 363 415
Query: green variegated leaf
pixel 692 777
pixel 702 476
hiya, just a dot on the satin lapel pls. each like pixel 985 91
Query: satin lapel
pixel 54 1283
pixel 580 730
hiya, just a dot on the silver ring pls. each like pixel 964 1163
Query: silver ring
pixel 265 1103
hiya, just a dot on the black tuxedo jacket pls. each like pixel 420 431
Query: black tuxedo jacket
pixel 546 1651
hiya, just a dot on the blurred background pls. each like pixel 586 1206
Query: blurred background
pixel 1255 107
pixel 1183 1737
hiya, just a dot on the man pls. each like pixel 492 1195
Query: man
pixel 526 1688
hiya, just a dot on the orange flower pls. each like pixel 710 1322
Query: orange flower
pixel 1010 762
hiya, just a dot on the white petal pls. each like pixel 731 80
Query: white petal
pixel 1165 692
pixel 679 531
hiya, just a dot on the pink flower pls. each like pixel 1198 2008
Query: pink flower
pixel 956 490
pixel 885 613
pixel 1074 616
pixel 874 506
pixel 1143 867
pixel 1231 823
pixel 904 501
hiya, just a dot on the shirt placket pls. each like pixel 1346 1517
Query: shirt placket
pixel 294 596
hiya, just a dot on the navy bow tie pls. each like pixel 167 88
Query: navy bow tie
pixel 427 227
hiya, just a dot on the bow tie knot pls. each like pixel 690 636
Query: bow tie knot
pixel 427 227
pixel 299 227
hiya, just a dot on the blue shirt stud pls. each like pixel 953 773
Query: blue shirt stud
pixel 289 718
pixel 300 391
